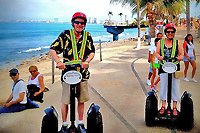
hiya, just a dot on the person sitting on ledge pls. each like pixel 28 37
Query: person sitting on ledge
pixel 17 100
pixel 35 85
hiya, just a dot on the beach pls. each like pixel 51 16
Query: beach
pixel 113 85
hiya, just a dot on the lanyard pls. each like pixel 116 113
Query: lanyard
pixel 173 48
pixel 74 47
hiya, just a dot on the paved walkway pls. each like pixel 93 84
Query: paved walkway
pixel 118 86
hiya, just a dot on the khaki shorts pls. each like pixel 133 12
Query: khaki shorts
pixel 82 89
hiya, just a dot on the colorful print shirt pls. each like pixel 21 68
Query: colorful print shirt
pixel 63 44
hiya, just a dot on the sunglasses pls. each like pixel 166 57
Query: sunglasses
pixel 12 74
pixel 170 32
pixel 32 71
pixel 77 22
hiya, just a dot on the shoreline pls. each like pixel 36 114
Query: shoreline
pixel 44 65
pixel 45 56
pixel 104 44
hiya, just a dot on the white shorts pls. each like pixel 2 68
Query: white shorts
pixel 164 87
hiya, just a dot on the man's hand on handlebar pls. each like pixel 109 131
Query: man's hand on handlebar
pixel 85 64
pixel 61 65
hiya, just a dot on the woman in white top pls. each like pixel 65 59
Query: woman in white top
pixel 189 56
pixel 36 79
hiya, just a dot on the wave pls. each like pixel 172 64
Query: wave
pixel 34 49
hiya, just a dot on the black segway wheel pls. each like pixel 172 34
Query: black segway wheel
pixel 186 113
pixel 151 109
pixel 94 120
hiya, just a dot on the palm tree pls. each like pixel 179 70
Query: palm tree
pixel 151 18
pixel 135 5
pixel 157 9
pixel 125 18
pixel 169 10
pixel 120 14
pixel 188 15
pixel 110 14
pixel 138 17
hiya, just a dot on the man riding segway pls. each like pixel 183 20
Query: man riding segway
pixel 77 46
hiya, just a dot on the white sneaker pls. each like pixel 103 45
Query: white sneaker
pixel 186 79
pixel 194 80
pixel 148 82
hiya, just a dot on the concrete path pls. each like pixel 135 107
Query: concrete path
pixel 117 84
pixel 119 81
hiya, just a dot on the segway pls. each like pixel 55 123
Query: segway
pixel 185 119
pixel 94 117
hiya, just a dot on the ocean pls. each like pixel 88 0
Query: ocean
pixel 22 41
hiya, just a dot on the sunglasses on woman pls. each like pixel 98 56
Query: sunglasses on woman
pixel 170 32
pixel 32 71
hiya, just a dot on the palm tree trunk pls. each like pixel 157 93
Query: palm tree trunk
pixel 188 15
pixel 151 19
pixel 138 23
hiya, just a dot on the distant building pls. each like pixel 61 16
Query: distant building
pixel 92 20
pixel 56 20
pixel 95 20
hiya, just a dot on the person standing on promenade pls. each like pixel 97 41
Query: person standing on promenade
pixel 152 49
pixel 17 100
pixel 167 48
pixel 68 46
pixel 147 38
pixel 155 65
pixel 189 57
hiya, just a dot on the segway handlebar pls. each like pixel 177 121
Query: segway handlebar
pixel 171 59
pixel 74 63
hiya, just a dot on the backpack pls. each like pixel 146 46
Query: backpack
pixel 32 88
pixel 50 121
pixel 94 119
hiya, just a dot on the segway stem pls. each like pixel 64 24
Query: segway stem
pixel 169 92
pixel 72 104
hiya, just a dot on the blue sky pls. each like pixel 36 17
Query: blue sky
pixel 64 9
